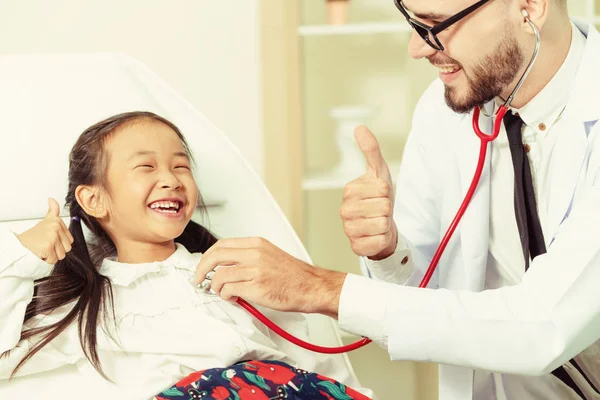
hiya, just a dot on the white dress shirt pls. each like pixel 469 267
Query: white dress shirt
pixel 541 120
pixel 165 328
pixel 365 315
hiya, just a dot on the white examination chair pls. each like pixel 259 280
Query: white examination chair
pixel 46 101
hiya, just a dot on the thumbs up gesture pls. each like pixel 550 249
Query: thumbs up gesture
pixel 368 204
pixel 50 238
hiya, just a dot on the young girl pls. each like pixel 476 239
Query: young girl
pixel 121 306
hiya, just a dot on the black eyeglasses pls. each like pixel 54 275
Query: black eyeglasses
pixel 429 33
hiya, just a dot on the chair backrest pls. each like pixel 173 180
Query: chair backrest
pixel 46 101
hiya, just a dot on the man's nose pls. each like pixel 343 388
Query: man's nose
pixel 418 48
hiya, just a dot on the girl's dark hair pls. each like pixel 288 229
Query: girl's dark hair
pixel 75 280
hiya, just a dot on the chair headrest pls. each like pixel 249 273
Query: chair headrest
pixel 49 100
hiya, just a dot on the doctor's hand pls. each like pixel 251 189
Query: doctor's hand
pixel 368 204
pixel 258 271
pixel 49 239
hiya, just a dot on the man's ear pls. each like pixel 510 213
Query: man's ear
pixel 537 11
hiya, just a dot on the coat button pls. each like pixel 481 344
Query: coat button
pixel 542 127
pixel 404 260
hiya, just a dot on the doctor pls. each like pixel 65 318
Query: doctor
pixel 516 292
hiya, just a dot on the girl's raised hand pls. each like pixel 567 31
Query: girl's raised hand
pixel 50 238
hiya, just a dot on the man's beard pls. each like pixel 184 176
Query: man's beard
pixel 489 78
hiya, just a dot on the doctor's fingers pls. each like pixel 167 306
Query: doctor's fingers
pixel 369 146
pixel 371 245
pixel 217 256
pixel 224 276
pixel 366 208
pixel 365 227
pixel 272 293
pixel 368 188
pixel 239 243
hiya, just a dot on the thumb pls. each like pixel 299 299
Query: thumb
pixel 53 208
pixel 376 165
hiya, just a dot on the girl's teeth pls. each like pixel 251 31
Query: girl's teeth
pixel 166 211
pixel 165 205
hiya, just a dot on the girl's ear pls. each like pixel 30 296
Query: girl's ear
pixel 91 200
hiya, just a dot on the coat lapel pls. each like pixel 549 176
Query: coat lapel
pixel 569 151
pixel 565 169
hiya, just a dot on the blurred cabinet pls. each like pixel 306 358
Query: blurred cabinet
pixel 356 73
pixel 362 64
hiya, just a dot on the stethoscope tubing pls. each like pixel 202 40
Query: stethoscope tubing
pixel 485 139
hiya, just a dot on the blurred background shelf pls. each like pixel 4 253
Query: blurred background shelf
pixel 352 29
pixel 332 180
pixel 379 27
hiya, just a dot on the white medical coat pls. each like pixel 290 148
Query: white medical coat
pixel 554 313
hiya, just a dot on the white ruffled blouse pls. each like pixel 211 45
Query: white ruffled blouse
pixel 165 328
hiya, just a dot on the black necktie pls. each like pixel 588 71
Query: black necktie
pixel 528 221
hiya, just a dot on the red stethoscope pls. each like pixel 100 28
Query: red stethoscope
pixel 485 139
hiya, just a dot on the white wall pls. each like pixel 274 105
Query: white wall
pixel 208 50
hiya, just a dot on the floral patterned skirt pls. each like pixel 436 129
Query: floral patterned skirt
pixel 258 380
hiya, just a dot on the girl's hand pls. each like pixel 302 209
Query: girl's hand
pixel 50 238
